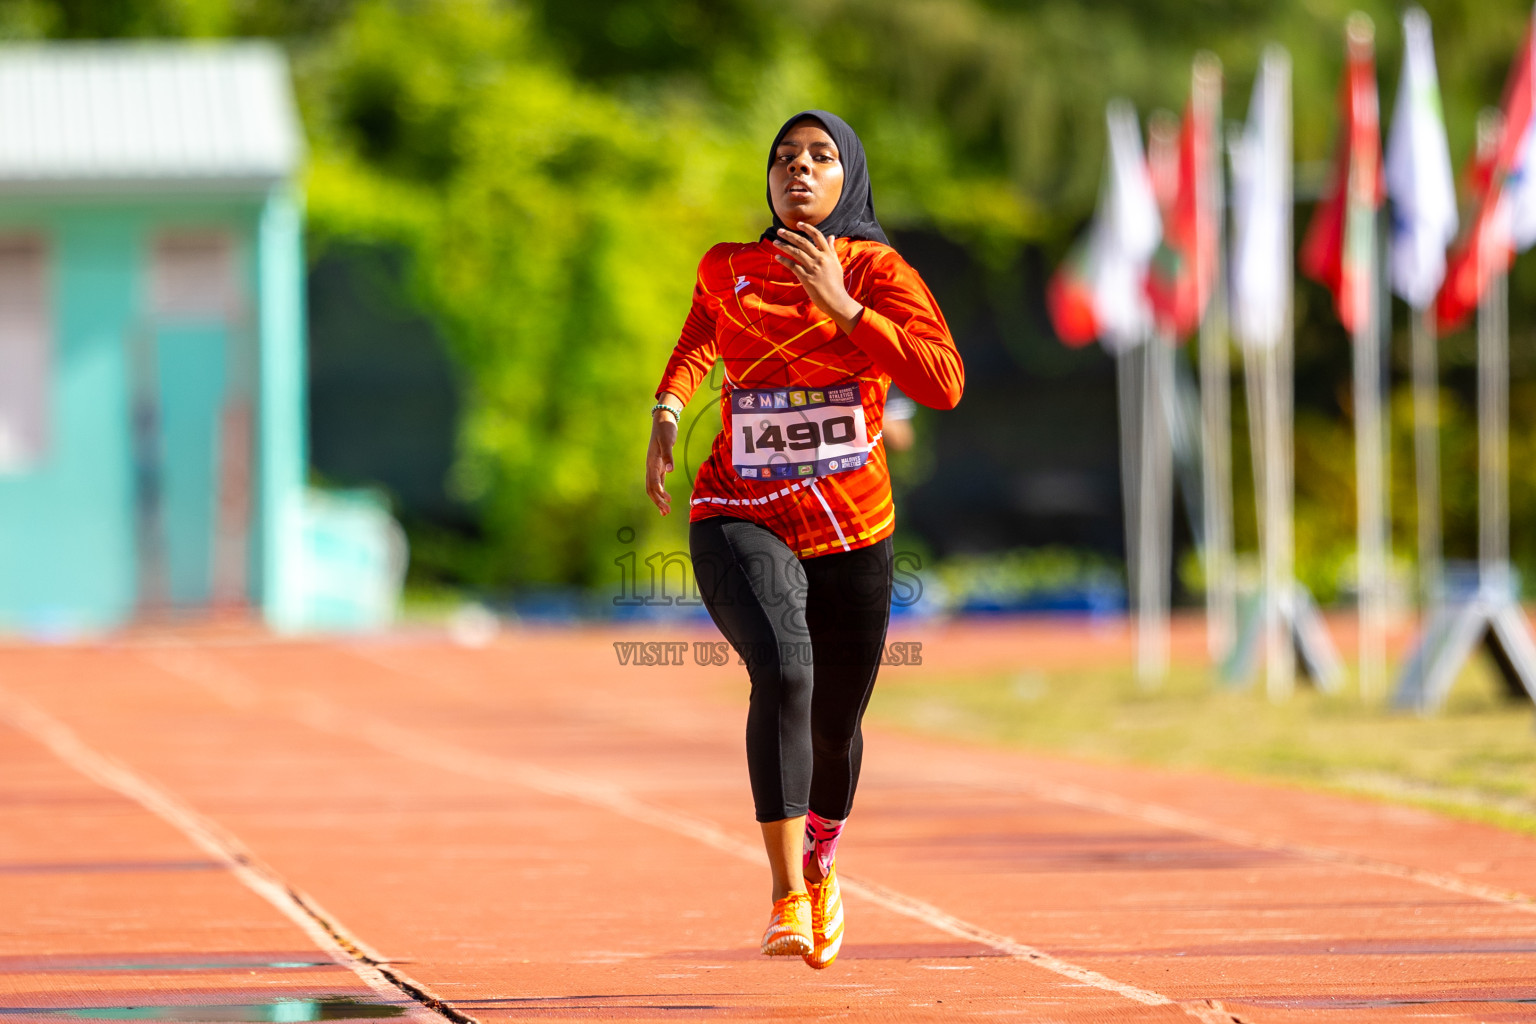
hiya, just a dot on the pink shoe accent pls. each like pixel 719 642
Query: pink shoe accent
pixel 821 841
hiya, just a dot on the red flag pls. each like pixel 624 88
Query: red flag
pixel 1069 299
pixel 1337 249
pixel 1183 270
pixel 1488 248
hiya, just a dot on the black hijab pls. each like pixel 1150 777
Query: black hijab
pixel 854 215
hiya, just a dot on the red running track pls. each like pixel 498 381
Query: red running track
pixel 243 829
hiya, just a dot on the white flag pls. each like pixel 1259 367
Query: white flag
pixel 1261 208
pixel 1418 170
pixel 1126 231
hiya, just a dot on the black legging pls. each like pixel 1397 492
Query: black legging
pixel 811 633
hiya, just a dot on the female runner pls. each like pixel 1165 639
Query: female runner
pixel 791 515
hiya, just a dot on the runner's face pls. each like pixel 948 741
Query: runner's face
pixel 806 179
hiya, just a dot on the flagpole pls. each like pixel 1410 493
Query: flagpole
pixel 1492 401
pixel 1257 394
pixel 1493 434
pixel 1426 444
pixel 1370 504
pixel 1215 388
pixel 1420 180
pixel 1279 556
pixel 1370 507
pixel 1129 361
pixel 1155 514
pixel 1102 293
pixel 1421 186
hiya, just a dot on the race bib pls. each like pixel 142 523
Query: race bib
pixel 785 433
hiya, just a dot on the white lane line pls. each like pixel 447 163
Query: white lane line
pixel 1167 817
pixel 1180 821
pixel 321 928
pixel 325 716
pixel 238 691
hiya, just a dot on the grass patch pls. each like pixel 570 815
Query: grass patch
pixel 1476 759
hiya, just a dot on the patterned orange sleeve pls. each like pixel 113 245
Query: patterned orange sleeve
pixel 903 331
pixel 696 349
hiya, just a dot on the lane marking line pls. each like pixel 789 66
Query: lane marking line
pixel 1167 817
pixel 238 691
pixel 325 716
pixel 321 927
pixel 1171 818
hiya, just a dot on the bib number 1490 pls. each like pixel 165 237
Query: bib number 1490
pixel 797 432
pixel 804 436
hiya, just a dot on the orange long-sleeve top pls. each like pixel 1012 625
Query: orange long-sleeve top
pixel 750 312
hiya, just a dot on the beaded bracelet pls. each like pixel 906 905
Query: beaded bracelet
pixel 677 413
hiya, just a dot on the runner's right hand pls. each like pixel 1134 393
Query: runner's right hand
pixel 658 459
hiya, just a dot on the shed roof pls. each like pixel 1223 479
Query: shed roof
pixel 101 117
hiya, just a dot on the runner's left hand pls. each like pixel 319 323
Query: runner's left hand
pixel 815 264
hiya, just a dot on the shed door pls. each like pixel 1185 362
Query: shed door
pixel 199 426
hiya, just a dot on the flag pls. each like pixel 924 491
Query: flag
pixel 1337 249
pixel 1100 292
pixel 1504 185
pixel 1261 209
pixel 1069 297
pixel 1183 269
pixel 1487 249
pixel 1418 171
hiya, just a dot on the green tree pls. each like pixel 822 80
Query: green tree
pixel 555 169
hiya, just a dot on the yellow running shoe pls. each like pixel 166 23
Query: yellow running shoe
pixel 826 920
pixel 789 927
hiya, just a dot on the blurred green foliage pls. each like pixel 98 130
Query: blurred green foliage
pixel 555 168
pixel 1007 579
pixel 555 229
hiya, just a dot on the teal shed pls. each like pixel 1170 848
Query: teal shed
pixel 152 350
